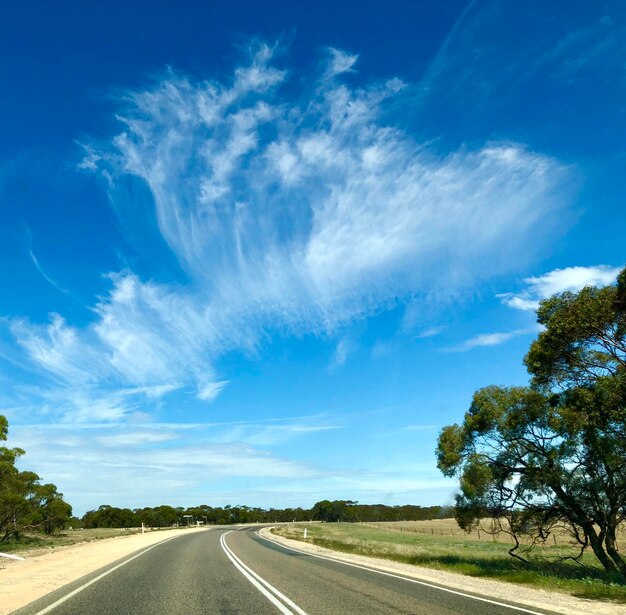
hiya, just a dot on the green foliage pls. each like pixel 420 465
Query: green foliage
pixel 25 504
pixel 110 516
pixel 337 510
pixel 53 513
pixel 584 337
pixel 555 452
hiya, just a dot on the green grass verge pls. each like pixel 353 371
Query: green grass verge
pixel 475 558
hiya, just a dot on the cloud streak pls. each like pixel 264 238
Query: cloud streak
pixel 161 462
pixel 295 213
pixel 492 339
pixel 166 463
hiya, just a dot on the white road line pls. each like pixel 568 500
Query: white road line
pixel 260 583
pixel 60 601
pixel 397 576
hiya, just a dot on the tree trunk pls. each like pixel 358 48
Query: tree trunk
pixel 598 548
pixel 611 549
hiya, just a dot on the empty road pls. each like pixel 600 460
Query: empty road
pixel 236 571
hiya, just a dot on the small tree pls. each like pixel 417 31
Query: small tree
pixel 53 511
pixel 555 452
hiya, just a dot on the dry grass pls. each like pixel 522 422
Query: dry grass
pixel 449 527
pixel 440 544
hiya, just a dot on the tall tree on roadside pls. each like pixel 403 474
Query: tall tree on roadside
pixel 25 504
pixel 553 453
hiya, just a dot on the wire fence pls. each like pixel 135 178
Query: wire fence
pixel 440 527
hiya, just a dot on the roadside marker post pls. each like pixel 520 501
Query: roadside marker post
pixel 11 556
pixel 305 532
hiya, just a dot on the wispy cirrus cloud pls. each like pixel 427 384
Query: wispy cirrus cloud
pixel 430 332
pixel 491 339
pixel 291 212
pixel 557 281
pixel 345 347
pixel 596 46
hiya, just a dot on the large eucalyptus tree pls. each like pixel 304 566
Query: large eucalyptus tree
pixel 553 453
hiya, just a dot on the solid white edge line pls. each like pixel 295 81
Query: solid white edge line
pixel 259 582
pixel 60 601
pixel 397 576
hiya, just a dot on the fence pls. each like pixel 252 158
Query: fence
pixel 441 527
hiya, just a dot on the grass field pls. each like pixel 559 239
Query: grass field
pixel 430 543
pixel 67 537
pixel 449 527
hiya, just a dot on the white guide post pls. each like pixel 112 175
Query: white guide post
pixel 11 556
pixel 305 532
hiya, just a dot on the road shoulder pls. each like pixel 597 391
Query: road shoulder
pixel 497 590
pixel 23 582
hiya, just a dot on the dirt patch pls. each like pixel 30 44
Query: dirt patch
pixel 22 582
pixel 496 590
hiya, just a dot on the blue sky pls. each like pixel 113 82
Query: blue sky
pixel 260 253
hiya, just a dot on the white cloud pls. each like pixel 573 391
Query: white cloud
pixel 271 435
pixel 345 347
pixel 286 213
pixel 153 392
pixel 317 214
pixel 570 279
pixel 167 463
pixel 340 62
pixel 492 339
pixel 59 350
pixel 134 438
pixel 211 390
pixel 430 332
pixel 153 463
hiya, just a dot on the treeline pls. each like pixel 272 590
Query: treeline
pixel 25 504
pixel 326 510
pixel 347 510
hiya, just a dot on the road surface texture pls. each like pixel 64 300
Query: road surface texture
pixel 237 571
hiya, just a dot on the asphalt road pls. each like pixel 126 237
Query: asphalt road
pixel 236 571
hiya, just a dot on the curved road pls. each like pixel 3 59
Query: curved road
pixel 236 571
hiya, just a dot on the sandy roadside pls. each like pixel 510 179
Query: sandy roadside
pixel 496 590
pixel 25 581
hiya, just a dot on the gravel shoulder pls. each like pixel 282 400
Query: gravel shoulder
pixel 22 582
pixel 554 601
